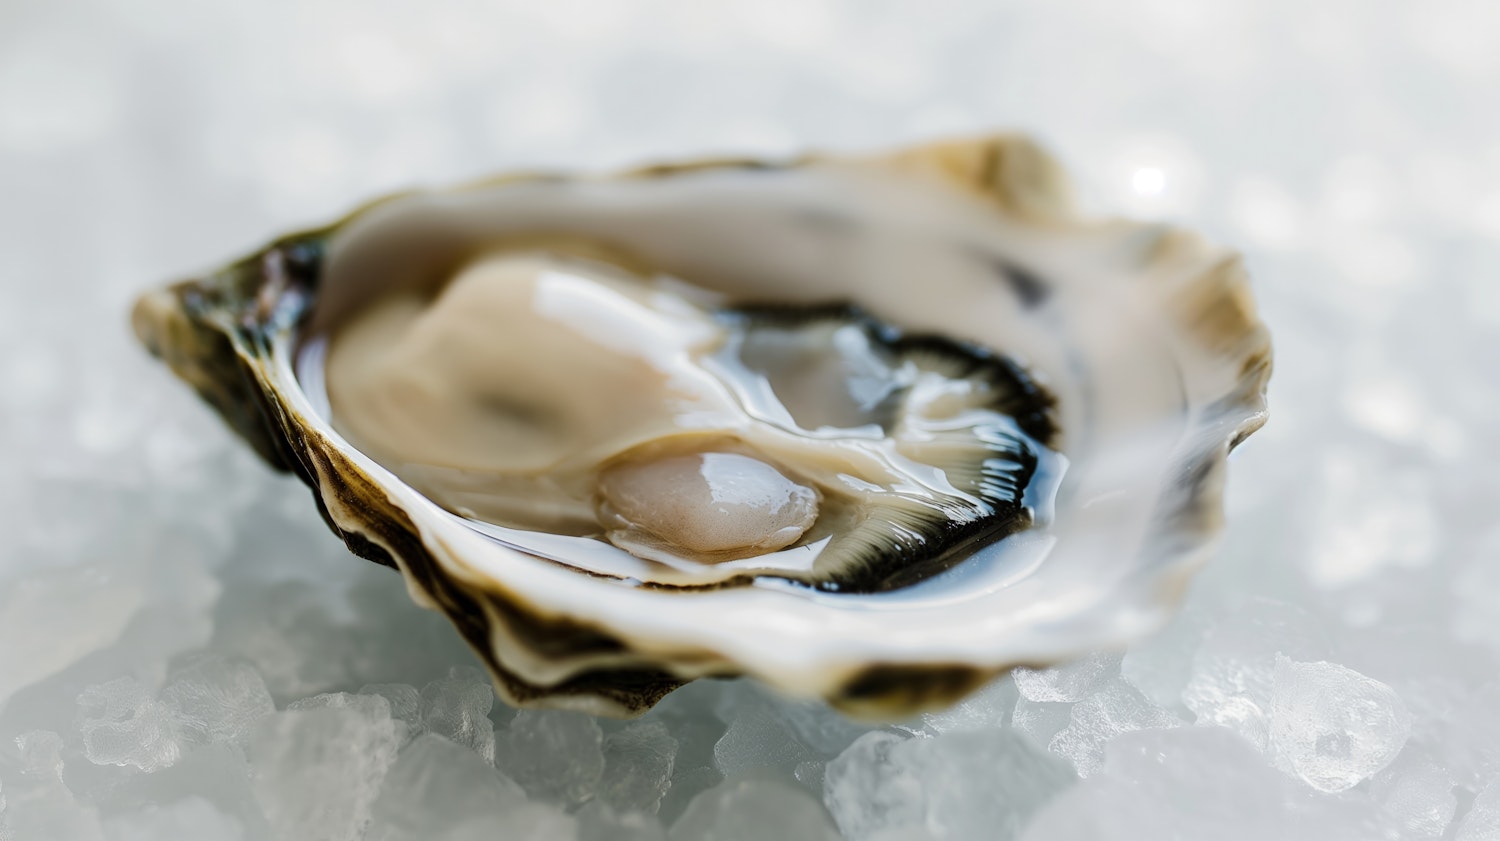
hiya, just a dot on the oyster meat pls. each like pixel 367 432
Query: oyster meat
pixel 871 429
pixel 706 444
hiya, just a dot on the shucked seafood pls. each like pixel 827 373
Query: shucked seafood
pixel 870 429
pixel 704 446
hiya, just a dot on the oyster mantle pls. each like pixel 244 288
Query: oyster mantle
pixel 1145 338
pixel 590 415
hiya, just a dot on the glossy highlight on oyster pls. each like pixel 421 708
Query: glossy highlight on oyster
pixel 537 394
pixel 866 428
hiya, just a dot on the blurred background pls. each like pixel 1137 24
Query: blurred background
pixel 1351 150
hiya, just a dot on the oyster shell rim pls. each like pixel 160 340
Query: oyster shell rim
pixel 220 334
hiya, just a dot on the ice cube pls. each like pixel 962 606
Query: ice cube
pixel 964 785
pixel 216 773
pixel 1333 726
pixel 1115 709
pixel 687 783
pixel 1416 794
pixel 287 630
pixel 759 738
pixel 1041 721
pixel 215 699
pixel 1161 666
pixel 1187 782
pixel 41 753
pixel 191 818
pixel 458 707
pixel 436 783
pixel 374 707
pixel 317 769
pixel 820 728
pixel 983 785
pixel 990 707
pixel 690 717
pixel 810 774
pixel 1201 782
pixel 406 707
pixel 1069 682
pixel 405 701
pixel 754 808
pixel 123 724
pixel 1482 823
pixel 868 787
pixel 598 822
pixel 556 756
pixel 64 615
pixel 38 805
pixel 638 762
pixel 1234 669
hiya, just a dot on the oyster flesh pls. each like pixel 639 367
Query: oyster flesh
pixel 868 429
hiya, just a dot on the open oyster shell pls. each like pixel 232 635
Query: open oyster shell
pixel 1144 338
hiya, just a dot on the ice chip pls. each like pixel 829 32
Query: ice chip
pixel 1416 794
pixel 1161 666
pixel 555 756
pixel 1041 720
pixel 287 630
pixel 821 728
pixel 810 773
pixel 37 803
pixel 638 761
pixel 1482 823
pixel 369 706
pixel 41 753
pixel 193 818
pixel 317 769
pixel 99 601
pixel 216 773
pixel 753 808
pixel 1115 709
pixel 867 788
pixel 759 738
pixel 216 700
pixel 123 724
pixel 983 785
pixel 437 783
pixel 957 786
pixel 405 701
pixel 990 707
pixel 598 822
pixel 458 707
pixel 1068 682
pixel 1333 726
pixel 1187 782
pixel 1235 667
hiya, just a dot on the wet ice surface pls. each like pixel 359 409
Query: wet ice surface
pixel 185 652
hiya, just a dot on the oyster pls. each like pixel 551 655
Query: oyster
pixel 871 429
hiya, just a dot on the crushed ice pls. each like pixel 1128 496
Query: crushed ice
pixel 185 652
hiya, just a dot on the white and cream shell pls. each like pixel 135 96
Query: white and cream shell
pixel 1145 336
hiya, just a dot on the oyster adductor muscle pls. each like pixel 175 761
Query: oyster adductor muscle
pixel 581 411
pixel 867 428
